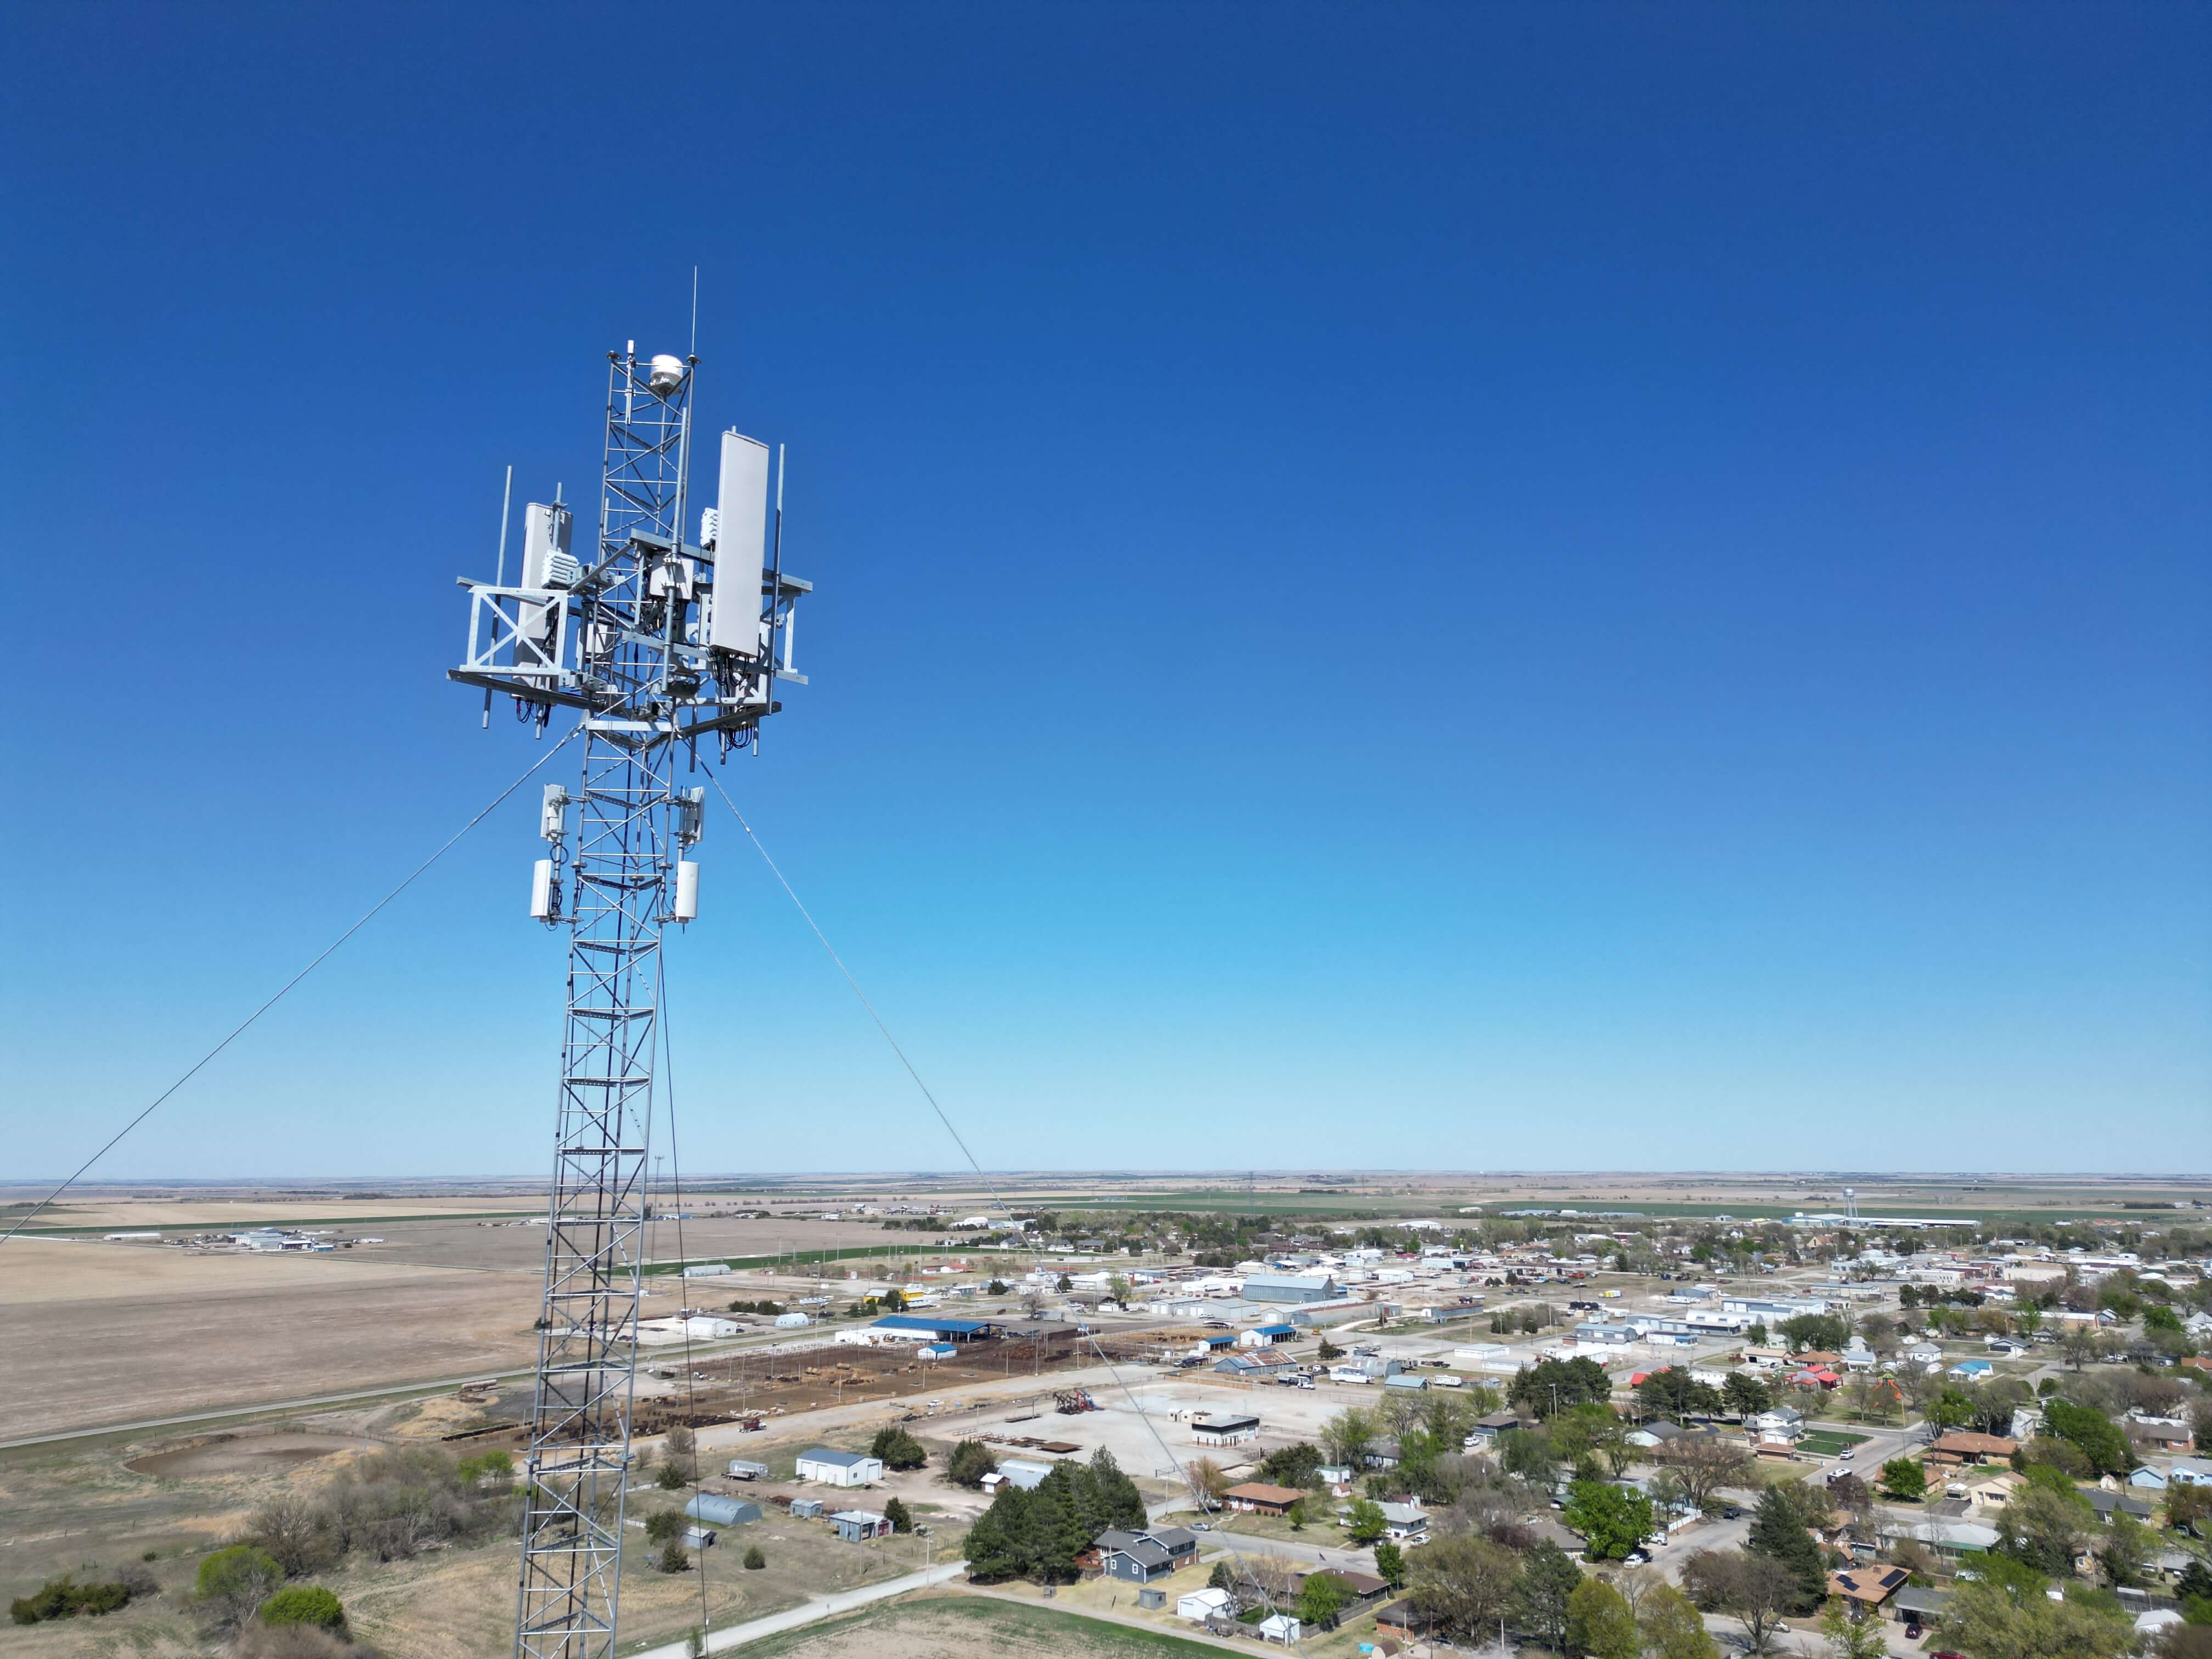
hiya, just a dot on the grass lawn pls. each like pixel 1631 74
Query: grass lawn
pixel 965 1625
pixel 1827 1443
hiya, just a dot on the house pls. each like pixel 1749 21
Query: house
pixel 1405 1619
pixel 1868 1586
pixel 1218 1431
pixel 1382 1455
pixel 1334 1475
pixel 1017 1472
pixel 1973 1370
pixel 2159 1433
pixel 1924 1354
pixel 719 1512
pixel 1653 1434
pixel 832 1467
pixel 2148 1479
pixel 1782 1423
pixel 858 1526
pixel 2109 1503
pixel 2190 1472
pixel 1989 1491
pixel 1489 1428
pixel 1949 1539
pixel 1264 1336
pixel 1141 1557
pixel 1201 1605
pixel 1404 1521
pixel 1970 1448
pixel 1258 1498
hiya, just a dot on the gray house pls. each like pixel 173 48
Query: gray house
pixel 1141 1557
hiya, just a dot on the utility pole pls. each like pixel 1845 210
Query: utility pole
pixel 658 645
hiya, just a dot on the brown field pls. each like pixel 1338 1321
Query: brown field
pixel 101 1334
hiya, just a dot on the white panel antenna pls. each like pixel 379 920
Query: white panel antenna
pixel 734 622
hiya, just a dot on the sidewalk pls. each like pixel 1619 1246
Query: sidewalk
pixel 822 1606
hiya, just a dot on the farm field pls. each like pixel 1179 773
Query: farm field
pixel 955 1626
pixel 103 1334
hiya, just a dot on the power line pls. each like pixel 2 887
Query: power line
pixel 990 1186
pixel 238 1029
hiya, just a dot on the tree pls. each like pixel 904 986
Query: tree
pixel 1390 1565
pixel 680 1453
pixel 1777 1532
pixel 1463 1582
pixel 1991 1619
pixel 1904 1480
pixel 1548 1577
pixel 754 1560
pixel 2187 1506
pixel 1672 1627
pixel 1756 1590
pixel 1347 1436
pixel 669 1479
pixel 1600 1623
pixel 233 1583
pixel 1825 1332
pixel 1757 1336
pixel 2125 1553
pixel 1065 1285
pixel 1291 1466
pixel 1703 1465
pixel 1207 1476
pixel 1365 1524
pixel 2044 1528
pixel 1555 1385
pixel 1321 1597
pixel 1850 1637
pixel 1611 1521
pixel 303 1604
pixel 900 1516
pixel 1950 1409
pixel 1747 1395
pixel 1671 1392
pixel 971 1461
pixel 2092 1434
pixel 296 1534
pixel 673 1557
pixel 664 1524
pixel 897 1448
pixel 1528 1453
pixel 1329 1350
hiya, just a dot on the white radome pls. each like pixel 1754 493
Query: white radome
pixel 666 372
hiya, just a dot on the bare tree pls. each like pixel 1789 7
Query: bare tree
pixel 1466 1582
pixel 1703 1465
pixel 1756 1590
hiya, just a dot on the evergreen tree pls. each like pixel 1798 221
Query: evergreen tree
pixel 1778 1533
pixel 1548 1577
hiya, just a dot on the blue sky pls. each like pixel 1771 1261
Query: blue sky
pixel 1490 586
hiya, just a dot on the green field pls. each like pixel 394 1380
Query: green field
pixel 1827 1443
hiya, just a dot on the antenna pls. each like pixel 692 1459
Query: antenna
pixel 629 634
pixel 506 510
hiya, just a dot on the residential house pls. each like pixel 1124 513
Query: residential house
pixel 1867 1588
pixel 1782 1423
pixel 1656 1434
pixel 1949 1539
pixel 1489 1428
pixel 1988 1490
pixel 858 1526
pixel 1970 1448
pixel 2109 1503
pixel 1017 1472
pixel 1258 1498
pixel 2148 1479
pixel 1405 1520
pixel 1973 1370
pixel 832 1467
pixel 2159 1433
pixel 2190 1472
pixel 1141 1557
pixel 1914 1604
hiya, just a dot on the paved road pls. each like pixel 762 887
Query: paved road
pixel 822 1606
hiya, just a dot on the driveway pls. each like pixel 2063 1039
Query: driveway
pixel 822 1606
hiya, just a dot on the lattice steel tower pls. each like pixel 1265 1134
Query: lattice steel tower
pixel 658 643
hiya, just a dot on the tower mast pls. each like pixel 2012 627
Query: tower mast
pixel 657 643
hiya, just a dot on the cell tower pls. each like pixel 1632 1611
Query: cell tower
pixel 663 646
